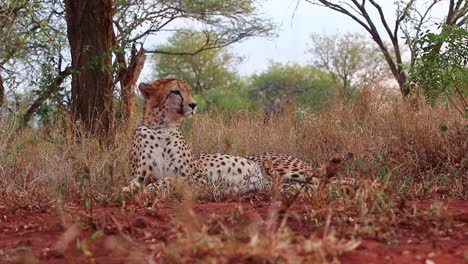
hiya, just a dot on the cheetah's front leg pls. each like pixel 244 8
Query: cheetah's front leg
pixel 164 186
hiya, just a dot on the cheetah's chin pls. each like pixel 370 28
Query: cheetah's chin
pixel 186 114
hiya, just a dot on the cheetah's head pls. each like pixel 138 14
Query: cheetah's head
pixel 168 102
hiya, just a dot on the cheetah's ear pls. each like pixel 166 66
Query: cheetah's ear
pixel 147 90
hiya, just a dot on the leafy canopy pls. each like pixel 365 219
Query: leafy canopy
pixel 441 65
pixel 208 69
pixel 293 83
pixel 351 60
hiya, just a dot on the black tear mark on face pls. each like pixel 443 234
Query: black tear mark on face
pixel 177 92
pixel 180 109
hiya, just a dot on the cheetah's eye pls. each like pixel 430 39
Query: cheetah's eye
pixel 177 92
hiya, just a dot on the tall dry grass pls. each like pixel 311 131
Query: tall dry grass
pixel 51 163
pixel 385 136
pixel 415 152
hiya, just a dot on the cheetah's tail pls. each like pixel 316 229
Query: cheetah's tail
pixel 332 166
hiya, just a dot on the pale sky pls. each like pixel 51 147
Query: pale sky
pixel 296 25
pixel 294 33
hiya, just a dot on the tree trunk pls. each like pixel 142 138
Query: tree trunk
pixel 90 32
pixel 404 87
pixel 128 78
pixel 397 71
pixel 2 97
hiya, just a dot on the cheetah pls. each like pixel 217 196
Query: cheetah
pixel 160 152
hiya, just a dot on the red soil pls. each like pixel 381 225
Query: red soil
pixel 50 234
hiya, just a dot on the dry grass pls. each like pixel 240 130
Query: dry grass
pixel 396 153
pixel 389 141
pixel 51 164
pixel 255 242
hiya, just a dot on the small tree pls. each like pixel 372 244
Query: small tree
pixel 443 71
pixel 204 70
pixel 351 61
pixel 360 12
pixel 283 85
pixel 236 96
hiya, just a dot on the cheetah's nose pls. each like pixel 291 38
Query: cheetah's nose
pixel 193 105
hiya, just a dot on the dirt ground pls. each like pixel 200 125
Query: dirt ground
pixel 50 235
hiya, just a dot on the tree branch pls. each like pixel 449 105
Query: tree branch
pixel 201 49
pixel 342 10
pixel 41 99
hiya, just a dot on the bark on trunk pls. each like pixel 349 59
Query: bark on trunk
pixel 89 24
pixel 2 97
pixel 128 78
pixel 397 71
pixel 404 87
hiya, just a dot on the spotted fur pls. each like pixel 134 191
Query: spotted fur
pixel 291 168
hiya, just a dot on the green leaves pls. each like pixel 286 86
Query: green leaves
pixel 53 97
pixel 441 65
pixel 303 84
pixel 444 128
pixel 351 60
pixel 20 148
pixel 205 70
pixel 30 31
pixel 98 234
